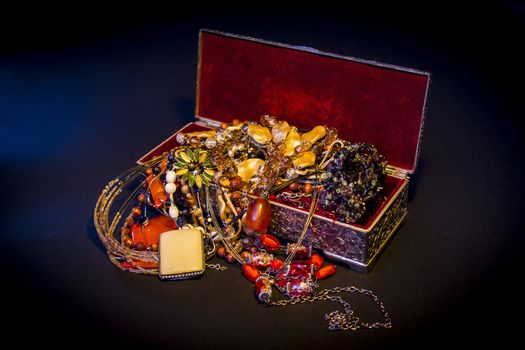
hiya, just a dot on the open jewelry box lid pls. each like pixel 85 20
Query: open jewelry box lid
pixel 244 78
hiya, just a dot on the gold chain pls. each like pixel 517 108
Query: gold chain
pixel 338 320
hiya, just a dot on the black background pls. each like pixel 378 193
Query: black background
pixel 85 91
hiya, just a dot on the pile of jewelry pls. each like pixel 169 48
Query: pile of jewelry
pixel 218 181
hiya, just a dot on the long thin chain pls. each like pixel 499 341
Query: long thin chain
pixel 338 320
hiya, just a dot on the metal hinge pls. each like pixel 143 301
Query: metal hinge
pixel 397 172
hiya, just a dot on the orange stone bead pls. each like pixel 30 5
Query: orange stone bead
pixel 325 272
pixel 316 260
pixel 257 217
pixel 250 272
pixel 149 233
pixel 156 188
pixel 269 241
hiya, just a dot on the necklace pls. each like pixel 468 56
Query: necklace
pixel 219 182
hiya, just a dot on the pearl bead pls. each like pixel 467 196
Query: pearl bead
pixel 170 187
pixel 174 212
pixel 170 176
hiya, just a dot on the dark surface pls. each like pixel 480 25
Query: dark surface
pixel 83 96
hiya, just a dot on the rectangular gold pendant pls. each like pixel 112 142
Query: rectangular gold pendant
pixel 181 254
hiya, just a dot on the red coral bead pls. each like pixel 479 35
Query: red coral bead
pixel 270 242
pixel 250 272
pixel 325 272
pixel 316 260
pixel 257 217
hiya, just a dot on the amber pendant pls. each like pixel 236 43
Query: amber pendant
pixel 257 217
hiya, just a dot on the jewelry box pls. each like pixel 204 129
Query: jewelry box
pixel 240 77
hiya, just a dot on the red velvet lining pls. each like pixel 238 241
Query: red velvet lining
pixel 243 79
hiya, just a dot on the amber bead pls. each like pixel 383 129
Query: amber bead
pixel 325 272
pixel 250 272
pixel 235 122
pixel 294 186
pixel 308 188
pixel 154 247
pixel 141 198
pixel 224 125
pixel 136 211
pixel 270 242
pixel 245 255
pixel 316 260
pixel 221 252
pixel 257 217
